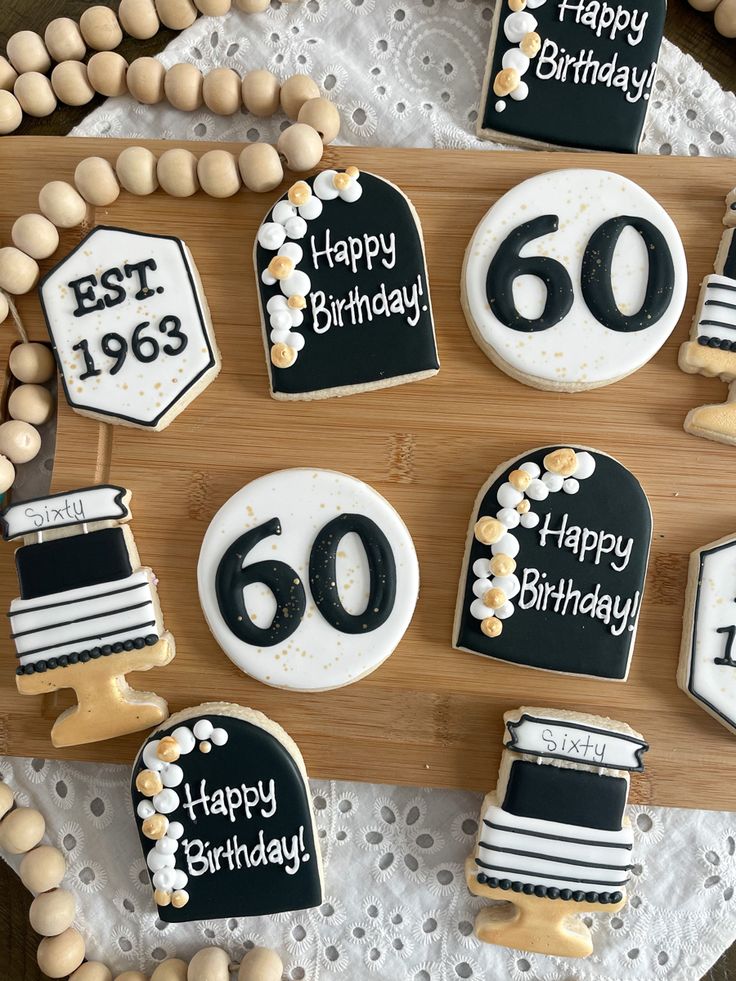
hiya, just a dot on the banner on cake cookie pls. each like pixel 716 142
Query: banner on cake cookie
pixel 576 743
pixel 106 502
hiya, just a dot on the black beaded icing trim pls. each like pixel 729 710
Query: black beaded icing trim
pixel 550 892
pixel 722 343
pixel 38 667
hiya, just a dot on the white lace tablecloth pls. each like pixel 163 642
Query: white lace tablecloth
pixel 403 72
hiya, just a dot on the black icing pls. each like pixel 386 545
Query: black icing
pixel 250 755
pixel 729 263
pixel 323 574
pixel 360 353
pixel 594 117
pixel 549 892
pixel 64 660
pixel 610 500
pixel 72 563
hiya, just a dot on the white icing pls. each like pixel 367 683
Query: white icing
pixel 166 845
pixel 716 315
pixel 531 468
pixel 352 192
pixel 179 879
pixel 571 486
pixel 149 756
pixel 323 185
pixel 537 490
pixel 172 775
pixel 578 351
pixel 203 729
pixel 164 878
pixel 480 611
pixel 282 212
pixel 103 502
pixel 508 496
pixel 505 611
pixel 509 517
pixel 271 235
pixel 156 860
pixel 586 465
pixel 529 520
pixel 145 810
pixel 509 584
pixel 553 481
pixel 577 743
pixel 518 24
pixel 175 830
pixel 297 284
pixel 166 801
pixel 281 320
pixel 295 340
pixel 520 93
pixel 507 545
pixel 514 58
pixel 311 209
pixel 482 568
pixel 296 227
pixel 316 656
pixel 500 105
pixel 219 737
pixel 184 738
pixel 533 4
pixel 480 586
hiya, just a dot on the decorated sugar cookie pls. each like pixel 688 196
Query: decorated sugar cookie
pixel 711 350
pixel 308 579
pixel 571 73
pixel 130 327
pixel 343 288
pixel 553 840
pixel 707 669
pixel 555 563
pixel 88 612
pixel 225 819
pixel 573 280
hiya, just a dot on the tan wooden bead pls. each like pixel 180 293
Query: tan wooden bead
pixel 7 474
pixel 725 18
pixel 107 71
pixel 59 956
pixel 322 115
pixel 92 971
pixel 35 95
pixel 213 8
pixel 8 74
pixel 252 6
pixel 218 175
pixel 146 80
pixel 131 976
pixel 295 92
pixel 221 91
pixel 18 271
pixel 139 18
pixel 172 969
pixel 136 170
pixel 62 204
pixel 11 114
pixel 32 363
pixel 23 828
pixel 177 172
pixel 301 147
pixel 4 311
pixel 183 87
pixel 6 799
pixel 706 6
pixel 20 443
pixel 71 84
pixel 64 40
pixel 100 28
pixel 176 14
pixel 52 913
pixel 209 964
pixel 27 52
pixel 261 92
pixel 96 181
pixel 261 964
pixel 33 404
pixel 260 167
pixel 44 867
pixel 35 235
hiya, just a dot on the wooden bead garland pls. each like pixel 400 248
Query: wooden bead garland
pixel 260 167
pixel 146 80
pixel 62 204
pixel 221 91
pixel 96 182
pixel 321 115
pixel 100 28
pixel 171 969
pixel 176 14
pixel 209 964
pixel 59 956
pixel 27 52
pixel 301 147
pixel 177 172
pixel 18 271
pixel 11 113
pixel 35 235
pixel 92 971
pixel 70 83
pixel 139 18
pixel 32 363
pixel 131 976
pixel 724 14
pixel 261 92
pixel 20 443
pixel 35 95
pixel 42 868
pixel 218 174
pixel 261 964
pixel 136 170
pixel 252 6
pixel 52 913
pixel 107 71
pixel 64 40
pixel 8 74
pixel 183 87
pixel 213 8
pixel 33 404
pixel 295 92
pixel 21 830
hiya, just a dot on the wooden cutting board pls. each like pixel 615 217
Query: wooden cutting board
pixel 430 715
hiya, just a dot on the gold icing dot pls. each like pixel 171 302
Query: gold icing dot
pixel 520 480
pixel 281 267
pixel 148 783
pixel 296 302
pixel 282 356
pixel 523 507
pixel 168 750
pixel 502 565
pixel 494 598
pixel 299 193
pixel 162 897
pixel 563 462
pixel 506 81
pixel 530 44
pixel 489 530
pixel 491 626
pixel 155 827
pixel 341 181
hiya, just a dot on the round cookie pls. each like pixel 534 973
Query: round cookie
pixel 308 579
pixel 573 280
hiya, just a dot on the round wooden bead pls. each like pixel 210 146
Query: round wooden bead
pixel 704 5
pixel 183 87
pixel 64 40
pixel 35 95
pixel 18 272
pixel 252 6
pixel 209 964
pixel 96 181
pixel 59 956
pixel 177 172
pixel 146 80
pixel 136 170
pixel 71 84
pixel 139 18
pixel 261 964
pixel 322 115
pixel 260 91
pixel 43 868
pixel 27 52
pixel 35 235
pixel 92 971
pixel 131 976
pixel 4 311
pixel 20 443
pixel 8 74
pixel 32 363
pixel 221 91
pixel 725 18
pixel 107 72
pixel 260 167
pixel 23 828
pixel 7 474
pixel 100 28
pixel 218 174
pixel 301 147
pixel 213 8
pixel 33 404
pixel 52 913
pixel 176 14
pixel 6 799
pixel 171 969
pixel 11 113
pixel 295 92
pixel 62 204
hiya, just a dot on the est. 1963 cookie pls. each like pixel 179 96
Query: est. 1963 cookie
pixel 130 327
pixel 571 73
pixel 573 280
pixel 555 563
pixel 553 839
pixel 308 579
pixel 225 818
pixel 343 288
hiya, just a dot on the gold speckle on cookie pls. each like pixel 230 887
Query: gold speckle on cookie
pixel 296 302
pixel 155 826
pixel 168 750
pixel 148 783
pixel 530 44
pixel 282 356
pixel 341 181
pixel 491 626
pixel 563 462
pixel 161 897
pixel 523 507
pixel 299 193
pixel 494 598
pixel 503 565
pixel 520 479
pixel 489 530
pixel 281 267
pixel 506 81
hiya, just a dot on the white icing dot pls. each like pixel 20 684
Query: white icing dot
pixel 175 829
pixel 571 486
pixel 145 809
pixel 164 879
pixel 279 336
pixel 509 517
pixel 268 278
pixel 517 25
pixel 533 4
pixel 280 319
pixel 219 737
pixel 149 756
pixel 166 801
pixel 586 465
pixel 296 227
pixel 500 105
pixel 505 611
pixel 166 846
pixel 203 729
pixel 480 586
pixel 537 490
pixel 277 302
pixel 295 340
pixel 531 468
pixel 323 186
pixel 184 737
pixel 271 236
pixel 482 568
pixel 508 496
pixel 282 211
pixel 553 481
pixel 311 209
pixel 179 879
pixel 509 584
pixel 156 861
pixel 172 776
pixel 292 251
pixel 352 192
pixel 529 520
pixel 520 93
pixel 507 545
pixel 297 284
pixel 515 58
pixel 480 611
